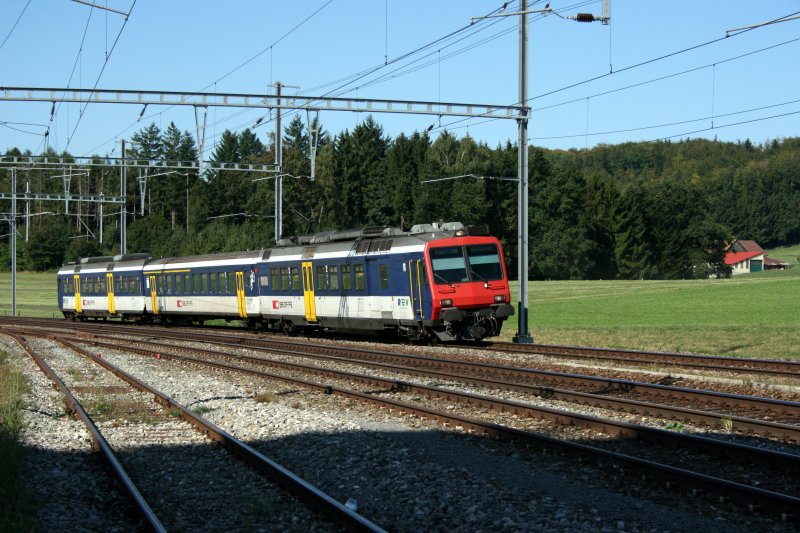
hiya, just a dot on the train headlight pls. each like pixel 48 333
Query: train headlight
pixel 500 298
pixel 446 302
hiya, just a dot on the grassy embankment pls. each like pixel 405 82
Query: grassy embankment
pixel 754 315
pixel 15 499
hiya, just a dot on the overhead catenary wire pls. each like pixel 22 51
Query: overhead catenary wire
pixel 241 65
pixel 676 123
pixel 642 83
pixel 629 67
pixel 11 31
pixel 100 74
pixel 376 68
pixel 367 80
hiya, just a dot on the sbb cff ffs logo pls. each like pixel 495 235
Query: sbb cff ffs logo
pixel 277 304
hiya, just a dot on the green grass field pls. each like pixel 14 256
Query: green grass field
pixel 754 315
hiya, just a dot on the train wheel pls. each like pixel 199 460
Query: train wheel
pixel 288 327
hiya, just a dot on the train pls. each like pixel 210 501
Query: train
pixel 438 282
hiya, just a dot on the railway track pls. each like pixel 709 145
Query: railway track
pixel 162 424
pixel 385 386
pixel 736 366
pixel 772 500
pixel 711 419
pixel 762 367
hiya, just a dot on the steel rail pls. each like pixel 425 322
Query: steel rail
pixel 98 441
pixel 742 424
pixel 305 491
pixel 760 456
pixel 602 384
pixel 784 504
pixel 775 367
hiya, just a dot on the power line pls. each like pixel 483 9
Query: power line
pixel 105 63
pixel 269 48
pixel 55 110
pixel 656 126
pixel 15 25
pixel 668 76
pixel 631 67
pixel 731 124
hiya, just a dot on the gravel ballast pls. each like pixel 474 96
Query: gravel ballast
pixel 403 473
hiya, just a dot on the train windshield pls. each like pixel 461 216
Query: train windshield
pixel 484 262
pixel 459 264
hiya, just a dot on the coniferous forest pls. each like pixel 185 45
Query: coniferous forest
pixel 652 210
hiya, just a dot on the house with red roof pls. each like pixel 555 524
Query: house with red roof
pixel 745 257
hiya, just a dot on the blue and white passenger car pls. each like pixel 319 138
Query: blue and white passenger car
pixel 444 282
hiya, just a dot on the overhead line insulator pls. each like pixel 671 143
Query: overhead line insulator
pixel 585 17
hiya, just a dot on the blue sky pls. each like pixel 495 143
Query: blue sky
pixel 244 46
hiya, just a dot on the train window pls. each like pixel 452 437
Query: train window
pixel 384 277
pixel 484 262
pixel 423 273
pixel 285 278
pixel 212 283
pixel 196 283
pixel 347 281
pixel 70 285
pixel 263 281
pixel 321 279
pixel 448 265
pixel 187 283
pixel 102 284
pixel 179 284
pixel 361 280
pixel 333 278
pixel 296 279
pixel 276 278
pixel 204 277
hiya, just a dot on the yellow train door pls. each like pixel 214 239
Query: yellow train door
pixel 308 291
pixel 153 294
pixel 112 309
pixel 78 306
pixel 242 305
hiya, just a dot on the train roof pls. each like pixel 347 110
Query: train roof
pixel 372 239
pixel 231 258
pixel 356 241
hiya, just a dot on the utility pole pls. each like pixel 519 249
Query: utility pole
pixel 122 215
pixel 14 241
pixel 278 166
pixel 27 211
pixel 523 335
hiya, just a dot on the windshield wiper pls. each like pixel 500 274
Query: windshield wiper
pixel 443 279
pixel 486 282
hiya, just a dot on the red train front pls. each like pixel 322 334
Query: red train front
pixel 469 286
